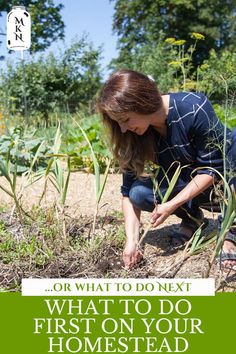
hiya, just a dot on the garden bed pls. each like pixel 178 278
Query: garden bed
pixel 40 248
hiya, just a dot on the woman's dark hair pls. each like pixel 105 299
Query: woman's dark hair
pixel 129 91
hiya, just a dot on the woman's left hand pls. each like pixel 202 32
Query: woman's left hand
pixel 161 213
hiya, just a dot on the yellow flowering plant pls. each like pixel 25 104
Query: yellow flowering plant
pixel 183 58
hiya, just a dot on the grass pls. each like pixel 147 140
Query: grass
pixel 32 242
pixel 38 248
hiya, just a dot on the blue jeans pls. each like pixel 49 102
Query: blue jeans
pixel 142 197
pixel 231 160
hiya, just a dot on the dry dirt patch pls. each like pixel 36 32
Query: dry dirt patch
pixel 107 258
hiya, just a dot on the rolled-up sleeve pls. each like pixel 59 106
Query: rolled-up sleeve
pixel 208 137
pixel 128 180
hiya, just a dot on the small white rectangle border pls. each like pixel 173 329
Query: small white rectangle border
pixel 118 287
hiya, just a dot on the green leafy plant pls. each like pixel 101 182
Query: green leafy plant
pixel 55 170
pixel 10 170
pixel 183 60
pixel 76 146
pixel 228 211
pixel 52 83
pixel 217 70
pixel 20 146
pixel 55 173
pixel 194 246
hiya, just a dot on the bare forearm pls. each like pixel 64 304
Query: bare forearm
pixel 131 254
pixel 132 220
pixel 196 186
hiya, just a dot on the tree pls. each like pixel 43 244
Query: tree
pixel 64 83
pixel 140 22
pixel 47 24
pixel 152 59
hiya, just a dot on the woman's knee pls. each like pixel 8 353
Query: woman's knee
pixel 142 197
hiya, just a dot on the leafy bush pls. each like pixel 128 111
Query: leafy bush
pixel 216 73
pixel 231 116
pixel 65 83
pixel 170 62
pixel 75 145
pixel 20 145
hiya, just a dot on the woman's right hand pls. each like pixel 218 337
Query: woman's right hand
pixel 131 255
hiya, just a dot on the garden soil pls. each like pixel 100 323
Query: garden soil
pixel 160 258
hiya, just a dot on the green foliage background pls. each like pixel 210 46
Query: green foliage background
pixel 64 83
pixel 139 23
pixel 154 37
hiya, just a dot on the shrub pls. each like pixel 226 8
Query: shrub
pixel 217 72
pixel 66 82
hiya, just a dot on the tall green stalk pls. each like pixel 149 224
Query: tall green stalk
pixel 229 212
pixel 183 59
pixel 152 170
pixel 55 172
pixel 99 185
pixel 225 134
